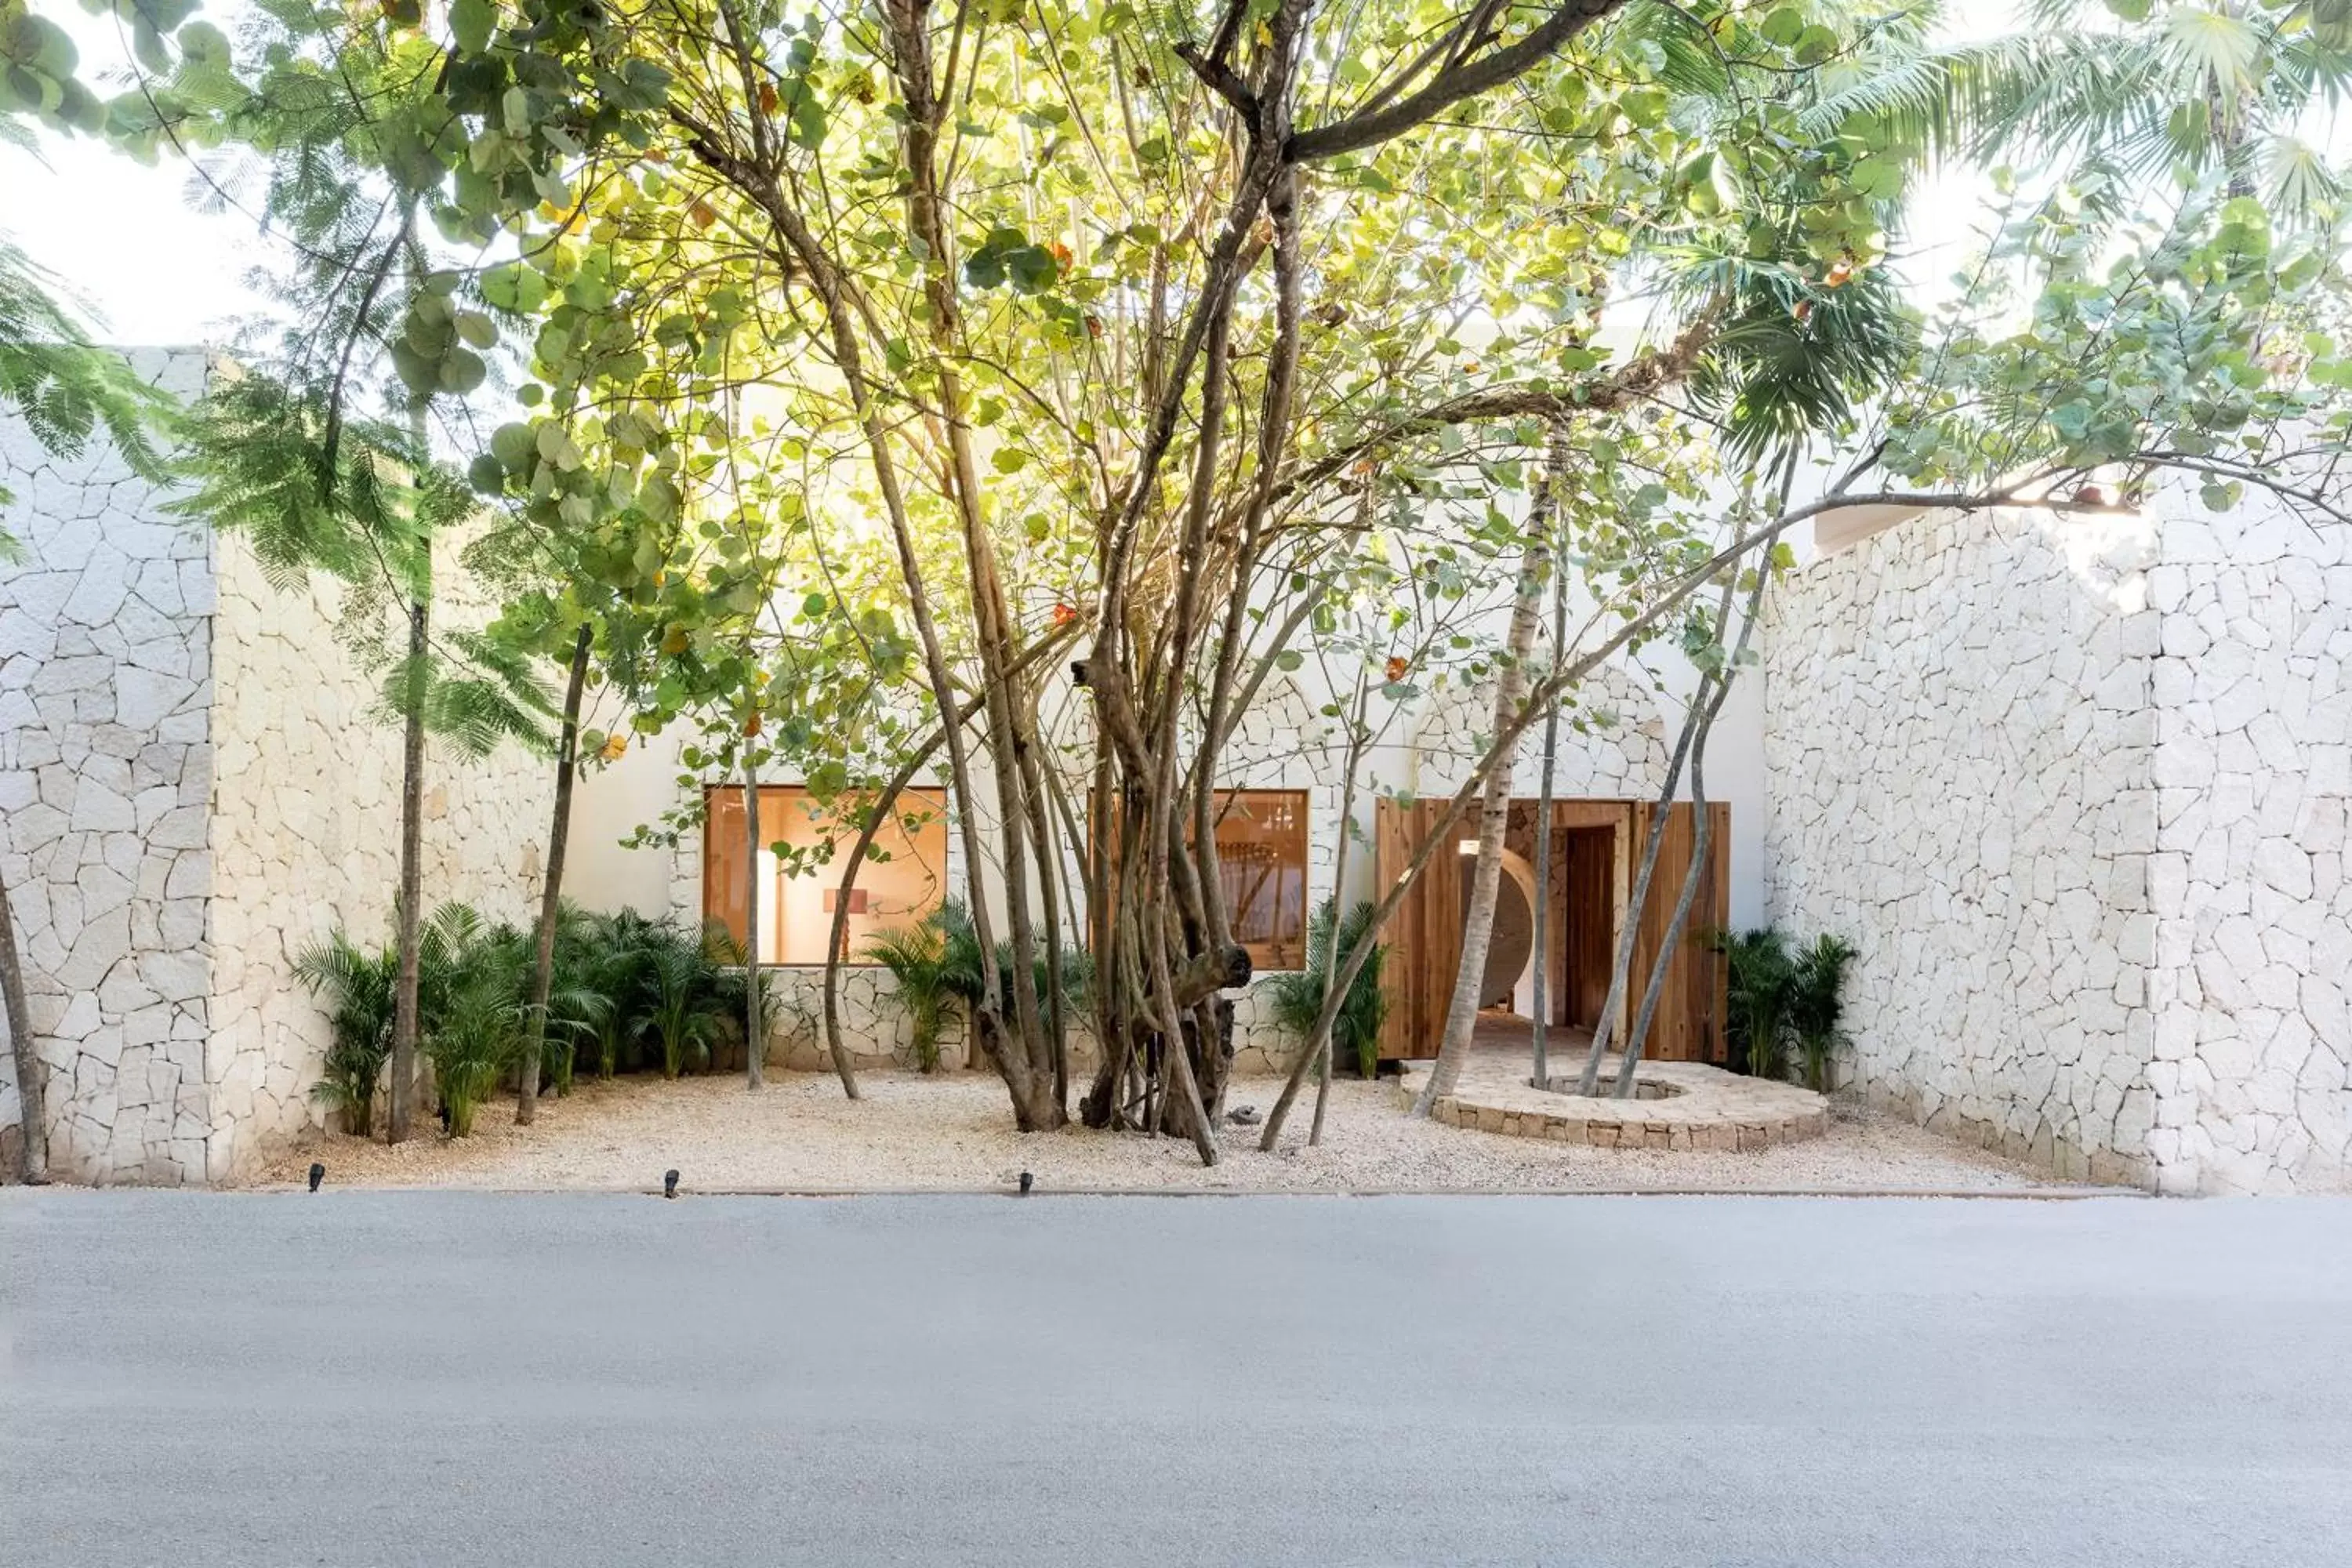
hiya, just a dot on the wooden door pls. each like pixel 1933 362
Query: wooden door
pixel 1425 935
pixel 1688 1027
pixel 1586 916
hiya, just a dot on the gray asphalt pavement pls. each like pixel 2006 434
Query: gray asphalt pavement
pixel 362 1379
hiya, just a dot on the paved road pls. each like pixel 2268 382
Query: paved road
pixel 362 1379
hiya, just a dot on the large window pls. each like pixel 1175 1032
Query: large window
pixel 796 910
pixel 1262 866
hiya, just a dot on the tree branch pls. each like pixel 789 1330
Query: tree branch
pixel 1450 86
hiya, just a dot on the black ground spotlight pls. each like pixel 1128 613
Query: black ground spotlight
pixel 1027 1182
pixel 669 1183
pixel 318 1174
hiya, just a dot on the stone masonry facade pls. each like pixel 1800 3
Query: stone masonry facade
pixel 194 786
pixel 2074 787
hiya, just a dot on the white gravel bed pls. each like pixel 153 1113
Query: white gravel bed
pixel 955 1134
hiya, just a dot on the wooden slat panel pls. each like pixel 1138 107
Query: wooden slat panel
pixel 1441 929
pixel 1688 1025
pixel 1668 1028
pixel 1400 976
pixel 1588 925
pixel 1714 980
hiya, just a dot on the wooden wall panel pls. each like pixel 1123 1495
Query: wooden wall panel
pixel 1688 1025
pixel 1400 976
pixel 1587 923
pixel 1424 936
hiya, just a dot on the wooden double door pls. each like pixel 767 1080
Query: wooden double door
pixel 1596 848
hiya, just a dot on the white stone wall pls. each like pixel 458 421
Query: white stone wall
pixel 2076 789
pixel 2253 770
pixel 306 835
pixel 1958 747
pixel 193 786
pixel 106 765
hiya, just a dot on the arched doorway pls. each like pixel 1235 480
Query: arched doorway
pixel 1509 980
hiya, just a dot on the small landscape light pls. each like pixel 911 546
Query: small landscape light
pixel 669 1183
pixel 1027 1182
pixel 318 1174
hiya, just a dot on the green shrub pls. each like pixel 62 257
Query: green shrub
pixel 474 1039
pixel 915 957
pixel 1814 1004
pixel 636 992
pixel 1778 997
pixel 1762 973
pixel 961 975
pixel 682 1019
pixel 359 988
pixel 1298 995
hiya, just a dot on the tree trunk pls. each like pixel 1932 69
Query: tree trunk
pixel 1721 683
pixel 32 1081
pixel 1621 966
pixel 755 1033
pixel 559 834
pixel 1319 1040
pixel 412 876
pixel 1540 1074
pixel 1493 820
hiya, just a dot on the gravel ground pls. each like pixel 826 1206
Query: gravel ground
pixel 955 1134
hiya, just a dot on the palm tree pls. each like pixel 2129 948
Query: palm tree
pixel 2214 86
pixel 1814 1003
pixel 1762 973
pixel 364 503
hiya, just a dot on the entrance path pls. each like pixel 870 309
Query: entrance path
pixel 370 1379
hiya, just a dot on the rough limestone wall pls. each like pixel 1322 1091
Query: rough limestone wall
pixel 1958 747
pixel 105 766
pixel 1613 741
pixel 2254 914
pixel 1281 743
pixel 305 836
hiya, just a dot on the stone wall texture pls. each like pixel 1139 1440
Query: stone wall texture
pixel 106 776
pixel 195 785
pixel 2068 786
pixel 306 835
pixel 2253 692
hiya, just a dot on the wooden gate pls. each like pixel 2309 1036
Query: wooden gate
pixel 1424 936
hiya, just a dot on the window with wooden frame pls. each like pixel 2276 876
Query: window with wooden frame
pixel 904 886
pixel 1262 869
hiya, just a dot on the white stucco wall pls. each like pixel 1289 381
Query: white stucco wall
pixel 2074 787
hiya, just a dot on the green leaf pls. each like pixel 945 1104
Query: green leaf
pixel 514 445
pixel 471 22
